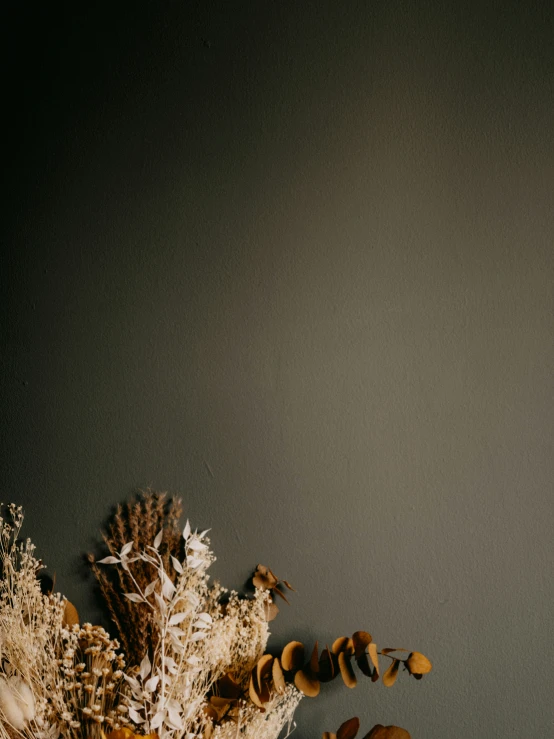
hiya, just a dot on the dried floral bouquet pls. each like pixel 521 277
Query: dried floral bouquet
pixel 190 660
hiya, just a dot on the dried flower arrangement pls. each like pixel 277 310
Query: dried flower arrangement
pixel 193 662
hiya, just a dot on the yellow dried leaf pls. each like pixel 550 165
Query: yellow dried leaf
pixel 255 697
pixel 374 657
pixel 124 733
pixel 360 639
pixel 307 684
pixel 293 656
pixel 347 671
pixel 278 677
pixel 343 644
pixel 389 678
pixel 263 669
pixel 270 611
pixel 387 732
pixel 70 615
pixel 329 735
pixel 418 664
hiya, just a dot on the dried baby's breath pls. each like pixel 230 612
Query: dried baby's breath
pixel 30 627
pixel 197 666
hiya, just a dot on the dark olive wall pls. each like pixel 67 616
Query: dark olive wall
pixel 294 262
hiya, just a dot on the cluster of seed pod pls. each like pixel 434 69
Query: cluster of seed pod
pixel 273 673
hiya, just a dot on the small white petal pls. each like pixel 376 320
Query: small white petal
pixel 177 618
pixel 135 597
pixel 178 566
pixel 126 549
pixel 157 721
pixel 108 561
pixel 145 667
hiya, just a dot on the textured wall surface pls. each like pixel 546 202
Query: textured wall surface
pixel 294 261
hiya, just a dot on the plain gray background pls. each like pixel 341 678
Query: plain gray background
pixel 293 261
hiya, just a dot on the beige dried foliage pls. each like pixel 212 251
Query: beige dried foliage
pixel 222 684
pixel 30 625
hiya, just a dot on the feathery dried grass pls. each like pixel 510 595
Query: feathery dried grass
pixel 138 521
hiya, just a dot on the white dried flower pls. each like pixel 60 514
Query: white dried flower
pixel 10 707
